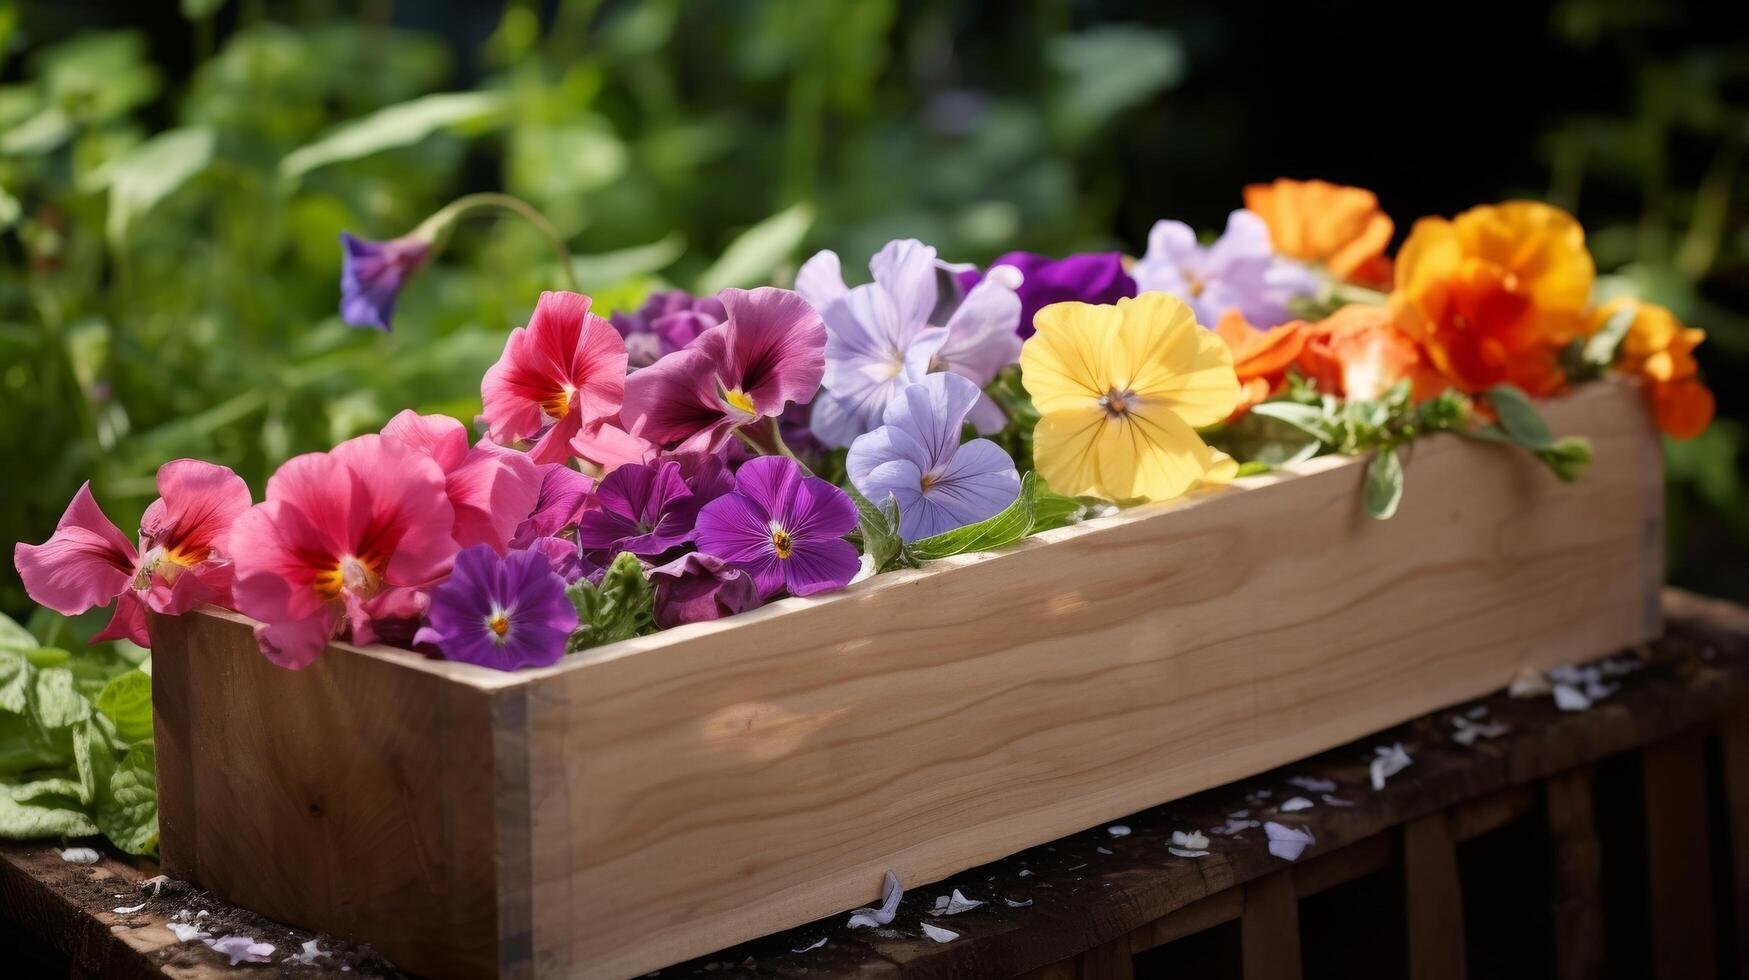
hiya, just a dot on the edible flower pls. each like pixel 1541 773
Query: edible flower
pixel 648 509
pixel 492 489
pixel 502 612
pixel 558 506
pixel 183 560
pixel 697 588
pixel 566 369
pixel 1659 349
pixel 1120 391
pixel 666 321
pixel 372 274
pixel 915 457
pixel 784 527
pixel 1092 277
pixel 1359 353
pixel 1239 271
pixel 1261 358
pixel 1340 228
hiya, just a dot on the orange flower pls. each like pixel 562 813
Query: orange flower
pixel 1659 349
pixel 1359 352
pixel 1260 357
pixel 1340 227
pixel 1495 293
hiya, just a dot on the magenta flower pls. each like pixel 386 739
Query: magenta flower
pixel 183 559
pixel 667 321
pixel 605 446
pixel 916 458
pixel 500 612
pixel 1097 278
pixel 566 560
pixel 563 371
pixel 564 493
pixel 372 274
pixel 492 489
pixel 1240 271
pixel 345 539
pixel 697 588
pixel 650 508
pixel 768 353
pixel 783 527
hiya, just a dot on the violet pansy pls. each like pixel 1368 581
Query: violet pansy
pixel 1239 271
pixel 784 527
pixel 501 612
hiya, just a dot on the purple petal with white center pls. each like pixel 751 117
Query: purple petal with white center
pixel 905 270
pixel 820 280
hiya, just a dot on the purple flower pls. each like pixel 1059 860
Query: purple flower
pixel 666 322
pixel 371 276
pixel 904 325
pixel 783 527
pixel 566 559
pixel 697 587
pixel 497 612
pixel 558 505
pixel 916 457
pixel 1095 277
pixel 1239 271
pixel 649 508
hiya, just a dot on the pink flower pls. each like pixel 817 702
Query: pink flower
pixel 771 351
pixel 604 447
pixel 492 489
pixel 345 539
pixel 566 369
pixel 182 561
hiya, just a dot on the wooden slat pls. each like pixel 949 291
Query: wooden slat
pixel 1204 913
pixel 1269 929
pixel 1433 898
pixel 1677 856
pixel 1108 962
pixel 1735 738
pixel 1577 870
pixel 1480 816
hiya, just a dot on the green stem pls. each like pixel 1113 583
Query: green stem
pixel 777 440
pixel 438 223
pixel 778 446
pixel 1350 293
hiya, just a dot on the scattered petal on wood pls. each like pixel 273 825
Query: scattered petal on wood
pixel 1335 800
pixel 1017 905
pixel 1529 684
pixel 1233 826
pixel 129 910
pixel 1313 784
pixel 812 946
pixel 1192 841
pixel 1185 852
pixel 1570 698
pixel 1296 804
pixel 954 904
pixel 939 934
pixel 312 950
pixel 1469 729
pixel 1102 850
pixel 1388 760
pixel 242 949
pixel 155 884
pixel 80 855
pixel 1239 814
pixel 1288 843
pixel 890 895
pixel 1118 830
pixel 185 932
pixel 1026 872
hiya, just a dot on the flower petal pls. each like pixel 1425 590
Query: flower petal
pixel 84 564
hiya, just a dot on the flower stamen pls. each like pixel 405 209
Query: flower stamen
pixel 499 624
pixel 781 541
pixel 1117 403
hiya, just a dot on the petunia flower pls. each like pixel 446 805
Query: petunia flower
pixel 1092 277
pixel 1359 352
pixel 372 274
pixel 1120 392
pixel 891 332
pixel 559 504
pixel 344 540
pixel 1340 228
pixel 1240 271
pixel 563 371
pixel 666 321
pixel 1659 349
pixel 769 353
pixel 500 612
pixel 783 527
pixel 697 588
pixel 183 560
pixel 650 508
pixel 492 489
pixel 1495 293
pixel 916 457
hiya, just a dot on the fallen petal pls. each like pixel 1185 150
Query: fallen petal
pixel 242 949
pixel 80 855
pixel 1312 784
pixel 1295 804
pixel 1017 905
pixel 890 895
pixel 187 933
pixel 1118 830
pixel 939 934
pixel 1387 762
pixel 1187 853
pixel 129 910
pixel 1570 698
pixel 813 946
pixel 1287 843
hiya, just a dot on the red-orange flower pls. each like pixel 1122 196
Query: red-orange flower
pixel 1260 357
pixel 1659 349
pixel 1359 352
pixel 1494 294
pixel 1340 227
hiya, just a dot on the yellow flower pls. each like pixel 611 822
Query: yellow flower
pixel 1120 392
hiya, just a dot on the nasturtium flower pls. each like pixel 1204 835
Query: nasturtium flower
pixel 502 612
pixel 915 457
pixel 1495 293
pixel 1659 349
pixel 1340 228
pixel 563 371
pixel 372 274
pixel 1240 271
pixel 697 588
pixel 649 509
pixel 1261 358
pixel 1120 392
pixel 183 560
pixel 665 322
pixel 768 353
pixel 492 489
pixel 1359 353
pixel 1092 277
pixel 344 540
pixel 784 527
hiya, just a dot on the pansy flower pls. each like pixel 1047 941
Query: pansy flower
pixel 559 504
pixel 650 508
pixel 665 322
pixel 1091 277
pixel 500 612
pixel 492 489
pixel 1120 392
pixel 564 370
pixel 372 274
pixel 183 560
pixel 1239 271
pixel 784 527
pixel 915 456
pixel 342 541
pixel 697 588
pixel 1340 228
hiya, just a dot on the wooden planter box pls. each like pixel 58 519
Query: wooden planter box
pixel 671 795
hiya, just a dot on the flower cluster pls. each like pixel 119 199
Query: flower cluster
pixel 670 465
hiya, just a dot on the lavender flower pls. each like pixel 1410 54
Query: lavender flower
pixel 649 508
pixel 697 587
pixel 1240 271
pixel 1096 277
pixel 783 527
pixel 666 322
pixel 497 612
pixel 372 274
pixel 917 458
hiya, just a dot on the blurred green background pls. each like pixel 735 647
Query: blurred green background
pixel 173 179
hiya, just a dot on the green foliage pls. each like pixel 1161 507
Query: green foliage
pixel 619 607
pixel 1010 525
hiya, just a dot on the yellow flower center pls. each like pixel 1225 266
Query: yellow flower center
pixel 1194 285
pixel 780 540
pixel 739 400
pixel 557 404
pixel 498 623
pixel 1117 403
pixel 359 576
pixel 928 481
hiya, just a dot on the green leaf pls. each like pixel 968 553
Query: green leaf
pixel 879 527
pixel 1052 510
pixel 57 702
pixel 1263 438
pixel 619 608
pixel 126 808
pixel 1569 457
pixel 1600 347
pixel 1009 526
pixel 608 269
pixel 49 816
pixel 753 257
pixel 393 126
pixel 1310 419
pixel 127 701
pixel 1384 483
pixel 1092 92
pixel 149 173
pixel 201 9
pixel 15 637
pixel 1518 418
